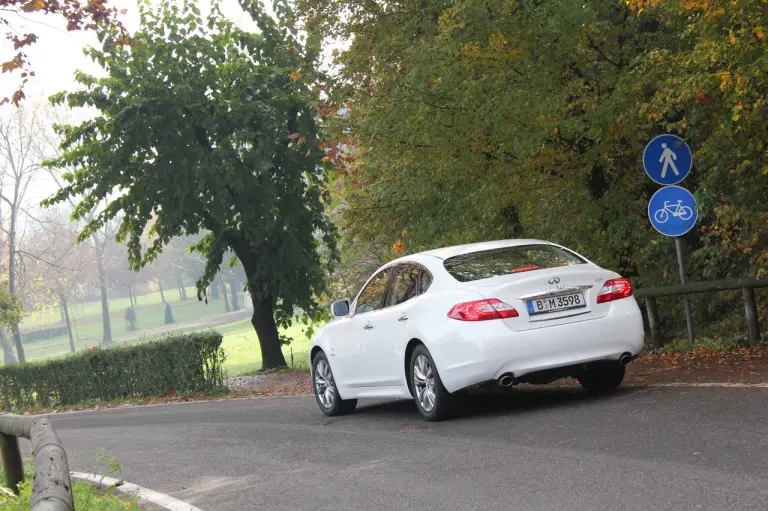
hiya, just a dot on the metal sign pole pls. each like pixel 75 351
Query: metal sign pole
pixel 686 299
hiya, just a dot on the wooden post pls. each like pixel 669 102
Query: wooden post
pixel 12 464
pixel 750 308
pixel 653 321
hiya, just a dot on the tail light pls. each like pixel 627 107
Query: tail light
pixel 614 289
pixel 482 310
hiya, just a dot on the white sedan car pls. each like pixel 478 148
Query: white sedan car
pixel 430 325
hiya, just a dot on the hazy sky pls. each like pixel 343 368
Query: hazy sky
pixel 58 53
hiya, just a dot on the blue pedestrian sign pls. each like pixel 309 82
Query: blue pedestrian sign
pixel 667 159
pixel 672 211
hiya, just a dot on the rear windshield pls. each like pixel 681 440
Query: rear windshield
pixel 508 260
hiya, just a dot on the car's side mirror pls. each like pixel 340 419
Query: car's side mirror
pixel 340 309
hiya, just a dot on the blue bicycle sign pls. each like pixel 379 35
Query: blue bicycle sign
pixel 676 210
pixel 672 211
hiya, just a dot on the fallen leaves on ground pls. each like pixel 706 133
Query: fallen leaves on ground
pixel 741 365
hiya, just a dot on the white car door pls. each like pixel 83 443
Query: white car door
pixel 391 328
pixel 353 367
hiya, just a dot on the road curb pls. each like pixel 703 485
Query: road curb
pixel 133 490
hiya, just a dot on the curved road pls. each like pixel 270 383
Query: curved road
pixel 533 449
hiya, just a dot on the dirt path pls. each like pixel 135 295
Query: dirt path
pixel 203 323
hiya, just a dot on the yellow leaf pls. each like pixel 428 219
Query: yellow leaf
pixel 398 247
pixel 295 75
pixel 34 5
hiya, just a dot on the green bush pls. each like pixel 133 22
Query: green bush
pixel 180 363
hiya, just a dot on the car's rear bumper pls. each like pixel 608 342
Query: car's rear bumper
pixel 469 356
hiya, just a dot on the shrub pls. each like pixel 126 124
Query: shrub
pixel 168 314
pixel 181 363
pixel 43 334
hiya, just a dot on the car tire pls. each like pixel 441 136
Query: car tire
pixel 433 401
pixel 326 392
pixel 603 377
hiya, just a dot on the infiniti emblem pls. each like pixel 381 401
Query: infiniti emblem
pixel 554 280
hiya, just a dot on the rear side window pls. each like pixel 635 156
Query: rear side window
pixel 505 261
pixel 405 285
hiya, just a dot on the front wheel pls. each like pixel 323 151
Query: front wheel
pixel 685 213
pixel 432 400
pixel 603 377
pixel 326 393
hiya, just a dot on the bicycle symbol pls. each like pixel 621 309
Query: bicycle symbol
pixel 676 210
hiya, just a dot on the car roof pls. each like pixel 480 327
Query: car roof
pixel 446 252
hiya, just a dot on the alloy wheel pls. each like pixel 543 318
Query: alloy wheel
pixel 324 387
pixel 424 382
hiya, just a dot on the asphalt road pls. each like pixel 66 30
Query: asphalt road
pixel 535 449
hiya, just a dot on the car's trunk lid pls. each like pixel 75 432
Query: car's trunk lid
pixel 548 297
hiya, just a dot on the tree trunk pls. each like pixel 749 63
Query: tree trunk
pixel 263 321
pixel 130 296
pixel 102 269
pixel 182 289
pixel 135 299
pixel 12 282
pixel 235 301
pixel 8 357
pixel 223 292
pixel 65 308
pixel 263 318
pixel 160 286
pixel 215 286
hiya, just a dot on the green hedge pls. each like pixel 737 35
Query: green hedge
pixel 177 363
pixel 43 334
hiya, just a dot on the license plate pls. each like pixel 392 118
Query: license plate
pixel 556 303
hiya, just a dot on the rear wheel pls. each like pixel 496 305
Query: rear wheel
pixel 432 400
pixel 603 377
pixel 326 393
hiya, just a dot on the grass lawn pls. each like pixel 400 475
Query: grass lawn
pixel 244 355
pixel 80 311
pixel 86 497
pixel 89 332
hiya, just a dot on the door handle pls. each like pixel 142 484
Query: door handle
pixel 368 326
pixel 403 318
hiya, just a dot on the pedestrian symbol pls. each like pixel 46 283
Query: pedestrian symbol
pixel 672 211
pixel 667 159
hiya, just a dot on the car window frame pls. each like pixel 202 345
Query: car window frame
pixel 421 280
pixel 391 269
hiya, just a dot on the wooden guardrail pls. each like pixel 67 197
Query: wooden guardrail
pixel 746 284
pixel 51 487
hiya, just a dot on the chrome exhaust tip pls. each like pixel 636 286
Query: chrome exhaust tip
pixel 626 358
pixel 507 380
